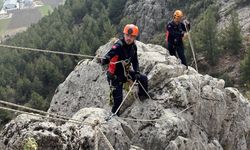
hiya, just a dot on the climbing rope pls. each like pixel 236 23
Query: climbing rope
pixel 96 138
pixel 192 47
pixel 38 111
pixel 95 126
pixel 113 114
pixel 37 115
pixel 145 90
pixel 47 51
pixel 106 139
pixel 155 120
pixel 126 97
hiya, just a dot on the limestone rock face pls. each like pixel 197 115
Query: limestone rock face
pixel 225 6
pixel 187 111
pixel 147 14
pixel 70 135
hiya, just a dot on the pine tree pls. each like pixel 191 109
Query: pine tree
pixel 231 38
pixel 205 36
pixel 109 31
pixel 37 102
pixel 115 10
pixel 245 68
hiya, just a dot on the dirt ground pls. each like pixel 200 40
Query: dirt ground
pixel 24 18
pixel 52 3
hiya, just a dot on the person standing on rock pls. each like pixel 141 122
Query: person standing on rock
pixel 120 57
pixel 175 32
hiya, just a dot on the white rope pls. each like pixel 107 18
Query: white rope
pixel 37 115
pixel 106 139
pixel 192 47
pixel 96 138
pixel 61 118
pixel 47 51
pixel 145 90
pixel 125 97
pixel 37 111
pixel 155 120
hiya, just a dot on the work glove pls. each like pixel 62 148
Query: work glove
pixel 186 22
pixel 102 61
pixel 137 75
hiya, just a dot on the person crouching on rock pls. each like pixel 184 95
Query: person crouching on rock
pixel 120 57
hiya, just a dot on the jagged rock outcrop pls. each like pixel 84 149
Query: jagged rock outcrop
pixel 50 136
pixel 148 15
pixel 188 111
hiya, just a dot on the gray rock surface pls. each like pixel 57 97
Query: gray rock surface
pixel 147 14
pixel 226 6
pixel 187 111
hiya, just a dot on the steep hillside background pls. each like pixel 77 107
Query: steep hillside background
pixel 81 26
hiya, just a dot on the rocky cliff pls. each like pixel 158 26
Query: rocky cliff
pixel 242 8
pixel 187 111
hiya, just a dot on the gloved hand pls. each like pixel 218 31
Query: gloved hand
pixel 102 61
pixel 137 75
pixel 186 22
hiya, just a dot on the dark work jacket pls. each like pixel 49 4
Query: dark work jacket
pixel 175 32
pixel 121 51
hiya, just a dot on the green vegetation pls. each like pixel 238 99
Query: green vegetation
pixel 3 25
pixel 30 144
pixel 231 38
pixel 29 78
pixel 245 69
pixel 1 4
pixel 45 10
pixel 115 10
pixel 205 35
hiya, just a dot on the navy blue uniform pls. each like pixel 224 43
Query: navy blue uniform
pixel 118 74
pixel 174 35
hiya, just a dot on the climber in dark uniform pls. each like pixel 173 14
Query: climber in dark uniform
pixel 175 32
pixel 122 54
